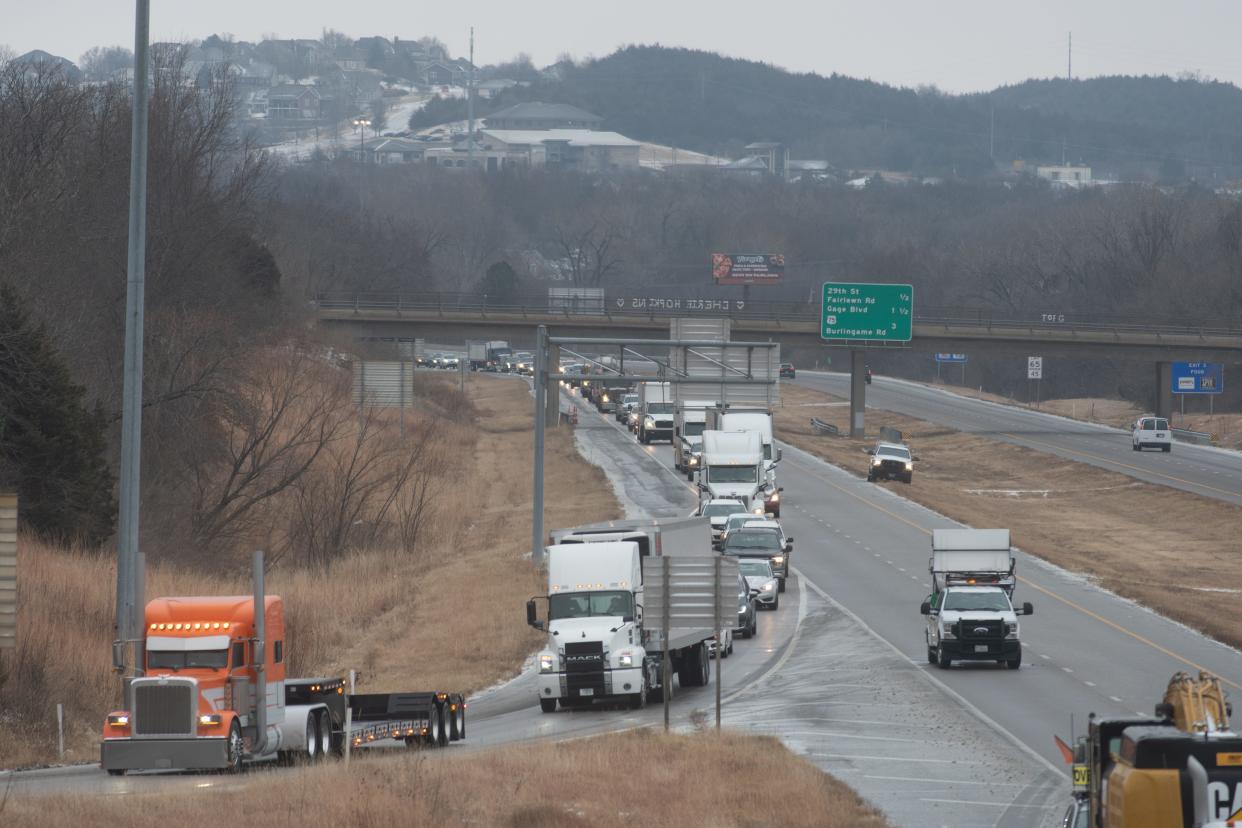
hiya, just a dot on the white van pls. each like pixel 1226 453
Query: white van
pixel 1151 432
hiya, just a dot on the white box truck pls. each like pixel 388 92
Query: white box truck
pixel 598 646
pixel 970 613
pixel 758 420
pixel 689 423
pixel 733 468
pixel 655 421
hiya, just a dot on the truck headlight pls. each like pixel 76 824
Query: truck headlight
pixel 778 559
pixel 909 466
pixel 875 461
pixel 626 660
pixel 775 498
pixel 118 720
pixel 210 719
pixel 1011 630
pixel 694 461
pixel 947 632
pixel 547 663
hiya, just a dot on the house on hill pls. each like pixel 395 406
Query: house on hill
pixel 38 61
pixel 537 115
pixel 293 102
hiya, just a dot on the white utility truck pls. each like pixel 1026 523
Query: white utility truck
pixel 970 613
pixel 689 423
pixel 655 419
pixel 598 647
pixel 733 468
pixel 758 420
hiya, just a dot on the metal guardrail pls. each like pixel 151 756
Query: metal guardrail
pixel 825 428
pixel 1187 436
pixel 780 312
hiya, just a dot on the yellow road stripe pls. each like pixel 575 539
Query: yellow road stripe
pixel 1061 449
pixel 1049 593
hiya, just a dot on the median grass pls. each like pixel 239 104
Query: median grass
pixel 1170 550
pixel 636 778
pixel 449 616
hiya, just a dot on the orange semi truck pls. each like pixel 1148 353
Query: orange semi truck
pixel 207 661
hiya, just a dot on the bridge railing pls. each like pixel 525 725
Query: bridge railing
pixel 781 312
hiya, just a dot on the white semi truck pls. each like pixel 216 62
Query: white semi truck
pixel 970 613
pixel 598 647
pixel 655 420
pixel 760 421
pixel 733 468
pixel 689 423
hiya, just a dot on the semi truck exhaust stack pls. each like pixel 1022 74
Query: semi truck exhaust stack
pixel 260 659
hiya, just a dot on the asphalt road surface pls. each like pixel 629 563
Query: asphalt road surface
pixel 1202 470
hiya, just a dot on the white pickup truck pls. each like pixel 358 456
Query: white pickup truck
pixel 970 613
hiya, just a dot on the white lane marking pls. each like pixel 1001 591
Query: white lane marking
pixel 847 736
pixel 946 781
pixel 1114 698
pixel 1067 669
pixel 1089 683
pixel 892 758
pixel 944 688
pixel 789 647
pixel 993 804
pixel 1041 655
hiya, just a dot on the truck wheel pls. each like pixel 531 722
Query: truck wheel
pixel 1136 447
pixel 312 737
pixel 324 730
pixel 433 727
pixel 1016 662
pixel 1167 449
pixel 931 656
pixel 781 587
pixel 443 739
pixel 547 705
pixel 457 721
pixel 234 747
pixel 116 771
pixel 942 659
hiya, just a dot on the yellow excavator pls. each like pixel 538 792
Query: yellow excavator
pixel 1181 768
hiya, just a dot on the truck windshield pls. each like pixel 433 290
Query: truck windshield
pixel 587 604
pixel 660 408
pixel 720 509
pixel 181 659
pixel 764 539
pixel 893 451
pixel 693 429
pixel 730 474
pixel 630 399
pixel 982 601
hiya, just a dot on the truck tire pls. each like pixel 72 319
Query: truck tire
pixel 116 771
pixel 323 729
pixel 312 737
pixel 234 748
pixel 434 724
pixel 1167 449
pixel 695 668
pixel 931 656
pixel 942 659
pixel 547 705
pixel 443 740
pixel 457 719
pixel 1016 662
pixel 655 695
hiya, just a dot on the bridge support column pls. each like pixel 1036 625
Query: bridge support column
pixel 858 393
pixel 1164 389
pixel 552 399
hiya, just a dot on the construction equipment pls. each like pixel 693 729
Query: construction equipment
pixel 1180 767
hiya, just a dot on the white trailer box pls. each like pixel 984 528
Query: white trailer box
pixel 672 537
pixel 965 556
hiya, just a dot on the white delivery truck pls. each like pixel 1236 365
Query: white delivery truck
pixel 655 420
pixel 970 613
pixel 598 647
pixel 758 420
pixel 733 468
pixel 689 423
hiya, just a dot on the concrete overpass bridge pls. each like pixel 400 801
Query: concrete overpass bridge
pixel 449 317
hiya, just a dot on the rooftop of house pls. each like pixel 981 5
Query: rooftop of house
pixel 574 137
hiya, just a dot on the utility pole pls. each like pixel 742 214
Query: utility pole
pixel 1069 58
pixel 130 586
pixel 470 103
pixel 992 133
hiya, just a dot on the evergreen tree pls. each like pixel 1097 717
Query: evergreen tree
pixel 52 444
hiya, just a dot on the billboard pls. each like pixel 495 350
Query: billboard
pixel 748 269
pixel 1198 378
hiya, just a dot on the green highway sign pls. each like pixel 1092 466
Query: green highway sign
pixel 861 311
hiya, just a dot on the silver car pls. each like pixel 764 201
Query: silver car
pixel 762 583
pixel 747 612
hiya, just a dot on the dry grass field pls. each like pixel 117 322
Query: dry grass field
pixel 380 611
pixel 635 778
pixel 1169 550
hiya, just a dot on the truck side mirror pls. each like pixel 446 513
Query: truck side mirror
pixel 531 617
pixel 779 454
pixel 925 608
pixel 627 619
pixel 870 451
pixel 1027 609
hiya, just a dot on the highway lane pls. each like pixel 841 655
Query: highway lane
pixel 1085 649
pixel 1202 470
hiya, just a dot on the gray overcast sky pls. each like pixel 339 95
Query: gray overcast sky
pixel 959 45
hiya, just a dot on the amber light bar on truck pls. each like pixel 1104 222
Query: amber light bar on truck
pixel 191 626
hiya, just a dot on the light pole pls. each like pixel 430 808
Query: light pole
pixel 361 124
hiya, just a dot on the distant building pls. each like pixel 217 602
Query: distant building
pixel 1066 176
pixel 38 61
pixel 581 150
pixel 774 155
pixel 293 102
pixel 536 115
